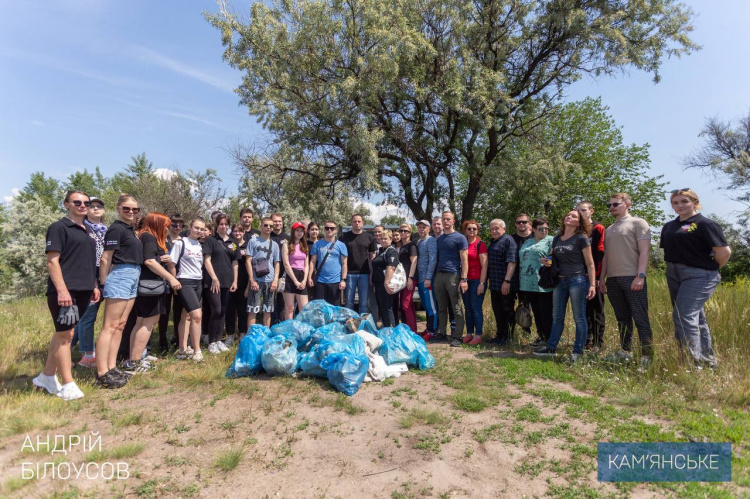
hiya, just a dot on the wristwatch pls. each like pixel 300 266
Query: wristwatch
pixel 506 280
pixel 642 275
pixel 464 279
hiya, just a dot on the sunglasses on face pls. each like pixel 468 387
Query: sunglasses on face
pixel 330 228
pixel 678 190
pixel 522 222
pixel 543 229
pixel 78 202
pixel 614 205
pixel 128 209
pixel 178 226
pixel 96 207
pixel 404 230
pixel 268 226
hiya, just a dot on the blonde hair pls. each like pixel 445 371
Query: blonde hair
pixel 124 198
pixel 386 233
pixel 622 195
pixel 688 193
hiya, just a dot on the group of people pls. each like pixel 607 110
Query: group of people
pixel 215 278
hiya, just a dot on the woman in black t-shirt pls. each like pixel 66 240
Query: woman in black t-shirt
pixel 157 266
pixel 695 249
pixel 572 253
pixel 119 271
pixel 220 254
pixel 71 260
pixel 236 316
pixel 383 266
pixel 407 256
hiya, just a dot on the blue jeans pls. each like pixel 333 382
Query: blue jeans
pixel 84 330
pixel 473 306
pixel 690 288
pixel 575 287
pixel 427 297
pixel 361 284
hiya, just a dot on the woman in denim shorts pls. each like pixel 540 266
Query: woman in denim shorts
pixel 695 249
pixel 119 271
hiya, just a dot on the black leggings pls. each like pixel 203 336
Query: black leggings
pixel 217 304
pixel 385 305
pixel 541 307
pixel 236 317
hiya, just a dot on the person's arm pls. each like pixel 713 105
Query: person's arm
pixel 344 270
pixel 591 269
pixel 369 262
pixel 305 274
pixel 432 257
pixel 104 266
pixel 722 254
pixel 157 269
pixel 276 269
pixel 55 274
pixel 464 253
pixel 413 271
pixel 484 265
pixel 313 266
pixel 505 288
pixel 235 272
pixel 251 283
pixel 644 247
pixel 603 274
pixel 215 285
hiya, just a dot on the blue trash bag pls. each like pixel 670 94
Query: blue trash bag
pixel 400 344
pixel 335 343
pixel 259 328
pixel 317 313
pixel 368 324
pixel 346 372
pixel 279 356
pixel 296 331
pixel 309 364
pixel 248 359
pixel 342 314
pixel 322 332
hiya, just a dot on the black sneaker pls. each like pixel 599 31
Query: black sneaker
pixel 439 338
pixel 456 343
pixel 109 380
pixel 121 374
pixel 539 342
pixel 544 352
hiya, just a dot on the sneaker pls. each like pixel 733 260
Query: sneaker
pixel 456 343
pixel 227 343
pixel 575 357
pixel 539 342
pixel 426 335
pixel 150 358
pixel 125 376
pixel 132 367
pixel 624 356
pixel 467 338
pixel 544 352
pixel 439 338
pixel 595 350
pixel 49 383
pixel 645 363
pixel 189 351
pixel 476 340
pixel 222 346
pixel 88 361
pixel 198 356
pixel 70 391
pixel 183 354
pixel 110 380
pixel 212 348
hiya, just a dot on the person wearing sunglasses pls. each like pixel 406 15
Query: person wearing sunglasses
pixel 361 246
pixel 119 272
pixel 523 233
pixel 627 245
pixel 71 287
pixel 595 307
pixel 539 298
pixel 328 264
pixel 263 263
pixel 473 298
pixel 236 317
pixel 407 256
pixel 426 262
pixel 84 330
pixel 172 307
pixel 695 249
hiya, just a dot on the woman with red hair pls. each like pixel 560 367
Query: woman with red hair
pixel 150 304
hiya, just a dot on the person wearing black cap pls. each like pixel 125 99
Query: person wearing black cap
pixel 71 260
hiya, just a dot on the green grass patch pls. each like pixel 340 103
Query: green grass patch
pixel 121 452
pixel 422 416
pixel 228 459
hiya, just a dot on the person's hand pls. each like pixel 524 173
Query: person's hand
pixel 274 285
pixel 215 286
pixel 592 292
pixel 342 285
pixel 247 291
pixel 637 284
pixel 175 284
pixel 299 285
pixel 602 286
pixel 96 296
pixel 427 284
pixel 546 261
pixel 505 288
pixel 463 286
pixel 165 258
pixel 410 284
pixel 254 285
pixel 233 287
pixel 64 299
pixel 388 288
pixel 310 282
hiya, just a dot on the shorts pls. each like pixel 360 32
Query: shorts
pixel 290 288
pixel 263 295
pixel 122 282
pixel 190 294
pixel 149 306
pixel 81 299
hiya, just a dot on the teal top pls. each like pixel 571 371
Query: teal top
pixel 529 264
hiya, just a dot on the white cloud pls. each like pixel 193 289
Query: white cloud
pixel 151 57
pixel 13 193
pixel 164 173
pixel 378 211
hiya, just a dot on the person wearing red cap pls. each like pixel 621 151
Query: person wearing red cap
pixel 296 264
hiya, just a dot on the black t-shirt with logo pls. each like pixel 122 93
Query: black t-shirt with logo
pixel 222 255
pixel 359 247
pixel 569 254
pixel 405 253
pixel 386 257
pixel 77 255
pixel 691 241
pixel 151 251
pixel 250 234
pixel 121 238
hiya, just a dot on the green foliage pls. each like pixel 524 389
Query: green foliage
pixel 739 242
pixel 577 154
pixel 45 189
pixel 392 220
pixel 405 97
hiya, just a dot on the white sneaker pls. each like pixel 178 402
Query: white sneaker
pixel 213 348
pixel 222 346
pixel 49 383
pixel 645 364
pixel 150 358
pixel 183 354
pixel 575 357
pixel 70 391
pixel 198 356
pixel 189 351
pixel 228 342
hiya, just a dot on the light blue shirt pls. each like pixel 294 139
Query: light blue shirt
pixel 331 270
pixel 258 247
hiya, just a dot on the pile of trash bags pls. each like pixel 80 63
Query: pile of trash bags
pixel 331 342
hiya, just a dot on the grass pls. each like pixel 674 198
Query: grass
pixel 124 451
pixel 228 459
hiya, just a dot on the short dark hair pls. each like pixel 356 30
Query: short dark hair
pixel 357 215
pixel 522 215
pixel 539 221
pixel 246 210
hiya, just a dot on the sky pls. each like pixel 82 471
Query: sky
pixel 86 83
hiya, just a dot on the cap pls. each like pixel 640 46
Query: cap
pixel 298 225
pixel 425 222
pixel 94 199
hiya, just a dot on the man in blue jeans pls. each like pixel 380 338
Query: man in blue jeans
pixel 451 278
pixel 361 247
pixel 426 262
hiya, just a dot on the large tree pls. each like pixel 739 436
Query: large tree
pixel 404 96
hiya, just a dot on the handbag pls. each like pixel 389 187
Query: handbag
pixel 398 279
pixel 152 287
pixel 281 285
pixel 549 276
pixel 523 316
pixel 262 266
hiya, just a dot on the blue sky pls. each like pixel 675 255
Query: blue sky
pixel 90 83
